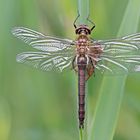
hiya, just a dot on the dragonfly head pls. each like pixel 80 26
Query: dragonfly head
pixel 83 29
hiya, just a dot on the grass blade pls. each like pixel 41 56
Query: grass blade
pixel 83 9
pixel 111 91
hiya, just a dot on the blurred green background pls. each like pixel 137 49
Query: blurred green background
pixel 35 105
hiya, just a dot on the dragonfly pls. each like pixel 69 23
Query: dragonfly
pixel 84 55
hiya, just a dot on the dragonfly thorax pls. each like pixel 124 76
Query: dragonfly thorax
pixel 82 44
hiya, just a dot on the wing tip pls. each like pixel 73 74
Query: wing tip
pixel 20 58
pixel 15 30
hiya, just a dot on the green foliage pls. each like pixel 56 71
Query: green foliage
pixel 111 88
pixel 35 105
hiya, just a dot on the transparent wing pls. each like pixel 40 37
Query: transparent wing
pixel 46 61
pixel 119 55
pixel 40 41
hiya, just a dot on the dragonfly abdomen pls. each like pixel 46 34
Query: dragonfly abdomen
pixel 82 61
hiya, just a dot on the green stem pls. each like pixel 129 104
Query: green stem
pixel 83 9
pixel 81 134
pixel 112 88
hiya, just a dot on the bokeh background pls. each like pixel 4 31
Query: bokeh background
pixel 36 105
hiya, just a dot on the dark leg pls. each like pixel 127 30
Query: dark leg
pixel 91 23
pixel 74 23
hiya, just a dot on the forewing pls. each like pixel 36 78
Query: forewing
pixel 56 61
pixel 119 55
pixel 40 41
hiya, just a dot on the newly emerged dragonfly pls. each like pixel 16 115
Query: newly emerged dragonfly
pixel 84 55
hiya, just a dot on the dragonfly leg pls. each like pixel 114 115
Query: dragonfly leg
pixel 74 23
pixel 91 23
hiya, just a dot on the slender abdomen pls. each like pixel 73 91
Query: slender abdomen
pixel 81 89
